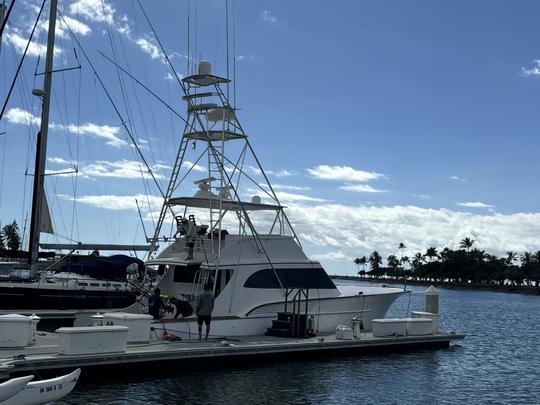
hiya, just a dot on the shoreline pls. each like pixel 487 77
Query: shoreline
pixel 521 289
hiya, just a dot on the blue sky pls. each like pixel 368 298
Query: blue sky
pixel 381 122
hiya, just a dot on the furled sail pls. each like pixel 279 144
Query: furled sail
pixel 46 222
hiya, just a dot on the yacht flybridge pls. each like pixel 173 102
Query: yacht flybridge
pixel 245 247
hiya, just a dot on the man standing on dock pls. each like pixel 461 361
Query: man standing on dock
pixel 205 306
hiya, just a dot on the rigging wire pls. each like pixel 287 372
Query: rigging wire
pixel 117 111
pixel 21 61
pixel 145 87
pixel 128 107
pixel 6 17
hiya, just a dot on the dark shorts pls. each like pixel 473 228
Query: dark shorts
pixel 204 318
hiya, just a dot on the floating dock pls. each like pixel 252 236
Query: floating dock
pixel 44 356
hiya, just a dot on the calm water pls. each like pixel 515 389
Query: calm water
pixel 499 362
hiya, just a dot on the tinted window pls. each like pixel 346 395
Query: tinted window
pixel 290 278
pixel 185 274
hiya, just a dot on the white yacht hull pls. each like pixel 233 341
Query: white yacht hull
pixel 328 313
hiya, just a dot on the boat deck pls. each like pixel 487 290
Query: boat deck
pixel 44 355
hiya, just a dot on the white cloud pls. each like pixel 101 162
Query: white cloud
pixel 475 204
pixel 34 49
pixel 343 173
pixel 118 202
pixel 289 187
pixel 267 16
pixel 93 10
pixel 422 196
pixel 285 173
pixel 76 26
pixel 122 169
pixel 336 256
pixel 280 173
pixel 58 160
pixel 150 47
pixel 456 178
pixel 358 230
pixel 63 26
pixel 19 116
pixel 284 197
pixel 194 167
pixel 362 188
pixel 109 133
pixel 534 71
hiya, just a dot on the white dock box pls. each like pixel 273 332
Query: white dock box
pixel 433 317
pixel 138 324
pixel 389 327
pixel 15 330
pixel 419 326
pixel 93 339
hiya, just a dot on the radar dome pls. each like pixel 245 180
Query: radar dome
pixel 256 199
pixel 204 67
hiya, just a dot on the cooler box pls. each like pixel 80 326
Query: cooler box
pixel 138 324
pixel 93 339
pixel 419 326
pixel 389 327
pixel 429 315
pixel 15 330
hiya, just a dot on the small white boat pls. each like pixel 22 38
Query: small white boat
pixel 11 387
pixel 41 392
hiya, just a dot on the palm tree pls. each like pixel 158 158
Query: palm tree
pixel 526 258
pixel 12 236
pixel 466 243
pixel 511 257
pixel 392 261
pixel 417 260
pixel 403 260
pixel 401 248
pixel 357 262
pixel 375 260
pixel 526 263
pixel 363 261
pixel 431 252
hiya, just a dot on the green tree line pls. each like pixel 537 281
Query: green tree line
pixel 462 266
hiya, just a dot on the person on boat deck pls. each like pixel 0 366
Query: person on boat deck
pixel 179 227
pixel 155 303
pixel 191 234
pixel 205 306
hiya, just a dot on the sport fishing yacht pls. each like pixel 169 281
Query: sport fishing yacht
pixel 246 247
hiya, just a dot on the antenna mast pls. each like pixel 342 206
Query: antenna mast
pixel 41 147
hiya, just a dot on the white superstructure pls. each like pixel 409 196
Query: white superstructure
pixel 246 247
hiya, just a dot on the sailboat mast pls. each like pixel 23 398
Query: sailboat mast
pixel 41 147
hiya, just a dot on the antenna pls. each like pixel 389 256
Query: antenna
pixel 227 42
pixel 234 53
pixel 188 55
